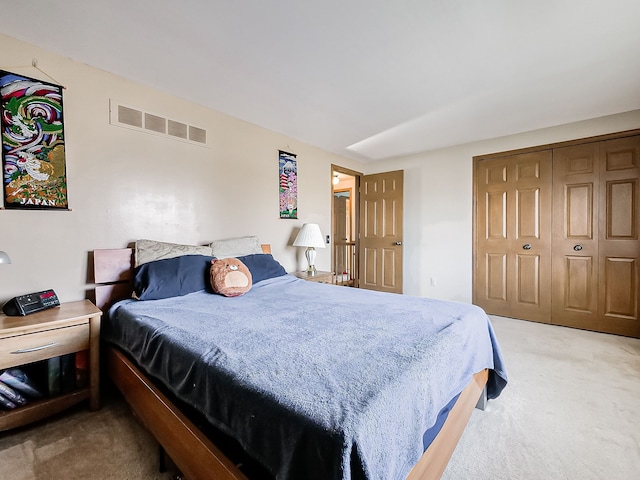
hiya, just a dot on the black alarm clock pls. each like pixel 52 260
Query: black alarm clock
pixel 31 303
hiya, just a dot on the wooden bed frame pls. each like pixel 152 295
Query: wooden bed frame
pixel 191 450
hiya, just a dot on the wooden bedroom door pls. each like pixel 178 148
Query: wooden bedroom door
pixel 381 210
pixel 512 268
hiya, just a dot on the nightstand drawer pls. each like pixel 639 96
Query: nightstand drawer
pixel 23 349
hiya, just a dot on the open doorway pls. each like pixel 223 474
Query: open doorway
pixel 345 189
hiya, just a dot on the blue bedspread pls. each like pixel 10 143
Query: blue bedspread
pixel 315 381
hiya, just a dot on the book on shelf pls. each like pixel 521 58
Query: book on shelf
pixel 53 377
pixel 68 373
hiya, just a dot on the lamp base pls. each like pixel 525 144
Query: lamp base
pixel 310 253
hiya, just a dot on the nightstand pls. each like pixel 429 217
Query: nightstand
pixel 68 329
pixel 319 277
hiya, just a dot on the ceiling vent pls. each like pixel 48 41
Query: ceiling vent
pixel 137 119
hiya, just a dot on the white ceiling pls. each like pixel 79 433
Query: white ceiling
pixel 367 79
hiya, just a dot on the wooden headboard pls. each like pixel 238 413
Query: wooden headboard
pixel 113 273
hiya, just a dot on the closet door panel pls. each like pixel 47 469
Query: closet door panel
pixel 492 237
pixel 531 255
pixel 496 215
pixel 513 263
pixel 620 237
pixel 528 276
pixel 575 243
pixel 620 208
pixel 579 216
pixel 578 285
pixel 528 205
pixel 496 281
pixel 620 299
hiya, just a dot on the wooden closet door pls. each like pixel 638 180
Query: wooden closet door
pixel 492 241
pixel 575 266
pixel 619 237
pixel 513 239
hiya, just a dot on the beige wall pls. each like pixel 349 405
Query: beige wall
pixel 438 204
pixel 126 184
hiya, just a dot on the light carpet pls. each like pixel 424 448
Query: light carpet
pixel 571 411
pixel 109 444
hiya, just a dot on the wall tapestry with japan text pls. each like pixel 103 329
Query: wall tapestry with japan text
pixel 33 149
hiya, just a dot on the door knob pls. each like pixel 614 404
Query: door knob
pixel 526 246
pixel 577 247
pixel 398 243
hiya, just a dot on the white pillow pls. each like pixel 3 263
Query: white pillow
pixel 149 250
pixel 236 247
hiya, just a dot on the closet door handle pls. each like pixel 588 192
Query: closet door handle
pixel 398 243
pixel 577 247
pixel 526 246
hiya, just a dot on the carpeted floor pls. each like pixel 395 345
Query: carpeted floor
pixel 83 445
pixel 571 411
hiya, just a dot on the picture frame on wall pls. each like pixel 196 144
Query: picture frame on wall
pixel 33 143
pixel 288 178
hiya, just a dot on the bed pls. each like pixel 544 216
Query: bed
pixel 309 380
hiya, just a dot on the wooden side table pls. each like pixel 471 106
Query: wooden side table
pixel 70 328
pixel 319 277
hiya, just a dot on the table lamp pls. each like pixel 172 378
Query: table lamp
pixel 310 236
pixel 4 258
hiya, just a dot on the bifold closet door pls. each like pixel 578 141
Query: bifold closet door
pixel 513 235
pixel 576 179
pixel 596 241
pixel 619 242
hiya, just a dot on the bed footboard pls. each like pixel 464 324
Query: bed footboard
pixel 192 452
pixel 434 461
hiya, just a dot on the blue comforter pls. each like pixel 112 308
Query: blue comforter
pixel 314 381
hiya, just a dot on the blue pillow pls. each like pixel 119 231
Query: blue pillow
pixel 172 277
pixel 262 266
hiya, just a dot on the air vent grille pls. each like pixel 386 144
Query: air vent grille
pixel 137 119
pixel 129 116
pixel 178 129
pixel 197 134
pixel 155 123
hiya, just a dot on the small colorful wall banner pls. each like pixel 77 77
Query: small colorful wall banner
pixel 33 153
pixel 288 185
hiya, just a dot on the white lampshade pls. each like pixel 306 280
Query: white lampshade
pixel 309 236
pixel 4 258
